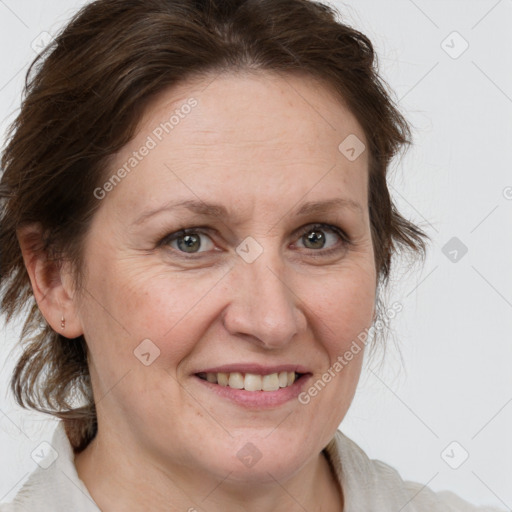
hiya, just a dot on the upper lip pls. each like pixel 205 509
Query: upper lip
pixel 255 368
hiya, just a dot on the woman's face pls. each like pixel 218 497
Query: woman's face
pixel 260 285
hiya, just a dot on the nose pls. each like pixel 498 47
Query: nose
pixel 264 307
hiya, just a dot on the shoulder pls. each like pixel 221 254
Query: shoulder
pixel 54 486
pixel 373 485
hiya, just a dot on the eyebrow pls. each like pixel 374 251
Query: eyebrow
pixel 217 210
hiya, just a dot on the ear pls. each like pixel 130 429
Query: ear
pixel 52 283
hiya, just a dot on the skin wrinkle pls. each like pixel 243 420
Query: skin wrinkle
pixel 285 306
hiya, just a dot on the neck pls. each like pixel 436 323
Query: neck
pixel 121 479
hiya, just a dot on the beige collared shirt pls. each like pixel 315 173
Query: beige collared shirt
pixel 368 485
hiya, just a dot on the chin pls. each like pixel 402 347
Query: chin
pixel 263 458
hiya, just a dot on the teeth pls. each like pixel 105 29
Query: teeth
pixel 270 382
pixel 222 378
pixel 236 380
pixel 251 381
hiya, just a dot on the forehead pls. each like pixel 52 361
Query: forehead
pixel 254 107
pixel 253 136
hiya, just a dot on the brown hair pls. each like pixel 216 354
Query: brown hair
pixel 83 99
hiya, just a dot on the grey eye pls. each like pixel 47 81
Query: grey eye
pixel 191 242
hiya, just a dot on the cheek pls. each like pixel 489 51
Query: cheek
pixel 135 301
pixel 344 305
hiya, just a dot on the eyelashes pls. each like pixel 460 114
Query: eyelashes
pixel 343 238
pixel 190 238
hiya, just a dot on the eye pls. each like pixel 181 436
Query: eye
pixel 317 236
pixel 189 241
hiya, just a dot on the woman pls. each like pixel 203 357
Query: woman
pixel 195 210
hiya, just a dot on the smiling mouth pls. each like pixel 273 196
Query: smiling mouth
pixel 252 381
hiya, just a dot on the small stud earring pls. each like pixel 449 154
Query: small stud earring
pixel 63 323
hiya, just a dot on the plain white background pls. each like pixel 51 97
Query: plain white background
pixel 455 383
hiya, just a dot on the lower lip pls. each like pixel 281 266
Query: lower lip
pixel 258 399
